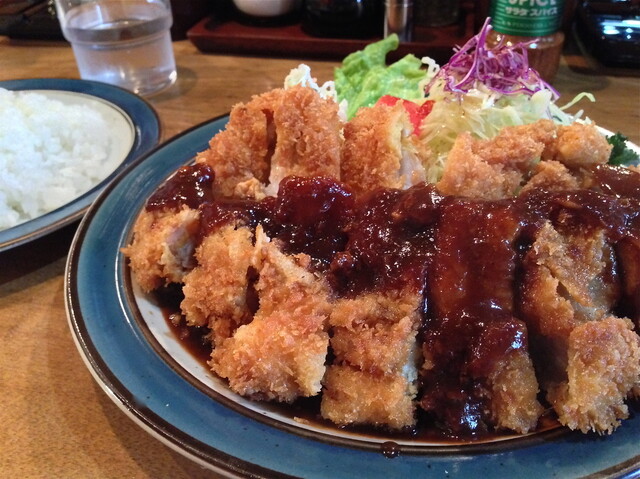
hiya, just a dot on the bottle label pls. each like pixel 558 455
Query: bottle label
pixel 526 18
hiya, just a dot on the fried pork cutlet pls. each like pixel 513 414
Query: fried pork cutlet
pixel 477 373
pixel 373 378
pixel 215 291
pixel 581 145
pixel 161 251
pixel 569 288
pixel 551 176
pixel 498 167
pixel 628 251
pixel 279 355
pixel 380 150
pixel 307 137
pixel 276 134
pixel 374 323
pixel 166 231
pixel 603 367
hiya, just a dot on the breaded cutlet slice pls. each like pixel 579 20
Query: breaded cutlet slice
pixel 161 251
pixel 603 369
pixel 279 133
pixel 568 291
pixel 374 372
pixel 514 389
pixel 215 291
pixel 550 176
pixel 567 280
pixel 477 373
pixel 279 355
pixel 380 150
pixel 581 145
pixel 242 151
pixel 308 139
pixel 495 168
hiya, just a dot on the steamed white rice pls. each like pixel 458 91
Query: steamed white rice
pixel 50 153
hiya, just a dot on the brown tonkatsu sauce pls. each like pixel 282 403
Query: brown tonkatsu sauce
pixel 462 255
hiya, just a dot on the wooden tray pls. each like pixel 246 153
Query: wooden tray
pixel 231 35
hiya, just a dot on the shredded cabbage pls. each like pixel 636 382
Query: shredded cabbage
pixel 301 75
pixel 483 90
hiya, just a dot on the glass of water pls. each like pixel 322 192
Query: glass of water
pixel 123 42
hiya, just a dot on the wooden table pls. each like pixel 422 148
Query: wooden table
pixel 55 421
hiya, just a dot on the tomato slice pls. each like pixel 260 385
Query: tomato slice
pixel 416 112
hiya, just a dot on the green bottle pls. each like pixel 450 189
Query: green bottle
pixel 536 22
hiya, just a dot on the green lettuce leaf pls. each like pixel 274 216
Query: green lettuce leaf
pixel 364 76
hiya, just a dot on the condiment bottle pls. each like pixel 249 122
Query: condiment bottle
pixel 343 18
pixel 535 22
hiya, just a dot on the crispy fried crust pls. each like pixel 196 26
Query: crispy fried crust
pixel 215 291
pixel 380 151
pixel 276 134
pixel 567 280
pixel 496 168
pixel 581 144
pixel 351 397
pixel 373 379
pixel 280 354
pixel 242 151
pixel 588 360
pixel 514 390
pixel 551 176
pixel 162 248
pixel 603 367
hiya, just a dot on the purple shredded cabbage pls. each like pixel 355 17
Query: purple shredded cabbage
pixel 503 69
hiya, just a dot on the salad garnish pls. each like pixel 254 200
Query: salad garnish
pixel 364 76
pixel 621 154
pixel 502 68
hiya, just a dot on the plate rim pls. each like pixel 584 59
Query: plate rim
pixel 147 132
pixel 204 454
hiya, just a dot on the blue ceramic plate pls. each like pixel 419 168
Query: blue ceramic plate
pixel 132 121
pixel 136 363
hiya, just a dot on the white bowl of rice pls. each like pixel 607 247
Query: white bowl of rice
pixel 54 146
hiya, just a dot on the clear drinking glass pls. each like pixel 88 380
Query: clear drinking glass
pixel 123 42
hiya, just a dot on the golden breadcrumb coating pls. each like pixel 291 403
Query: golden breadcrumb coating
pixel 161 251
pixel 498 167
pixel 589 360
pixel 581 144
pixel 521 146
pixel 551 176
pixel 215 291
pixel 280 354
pixel 242 151
pixel 567 280
pixel 352 397
pixel 380 150
pixel 308 136
pixel 603 367
pixel 276 134
pixel 514 390
pixel 374 337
